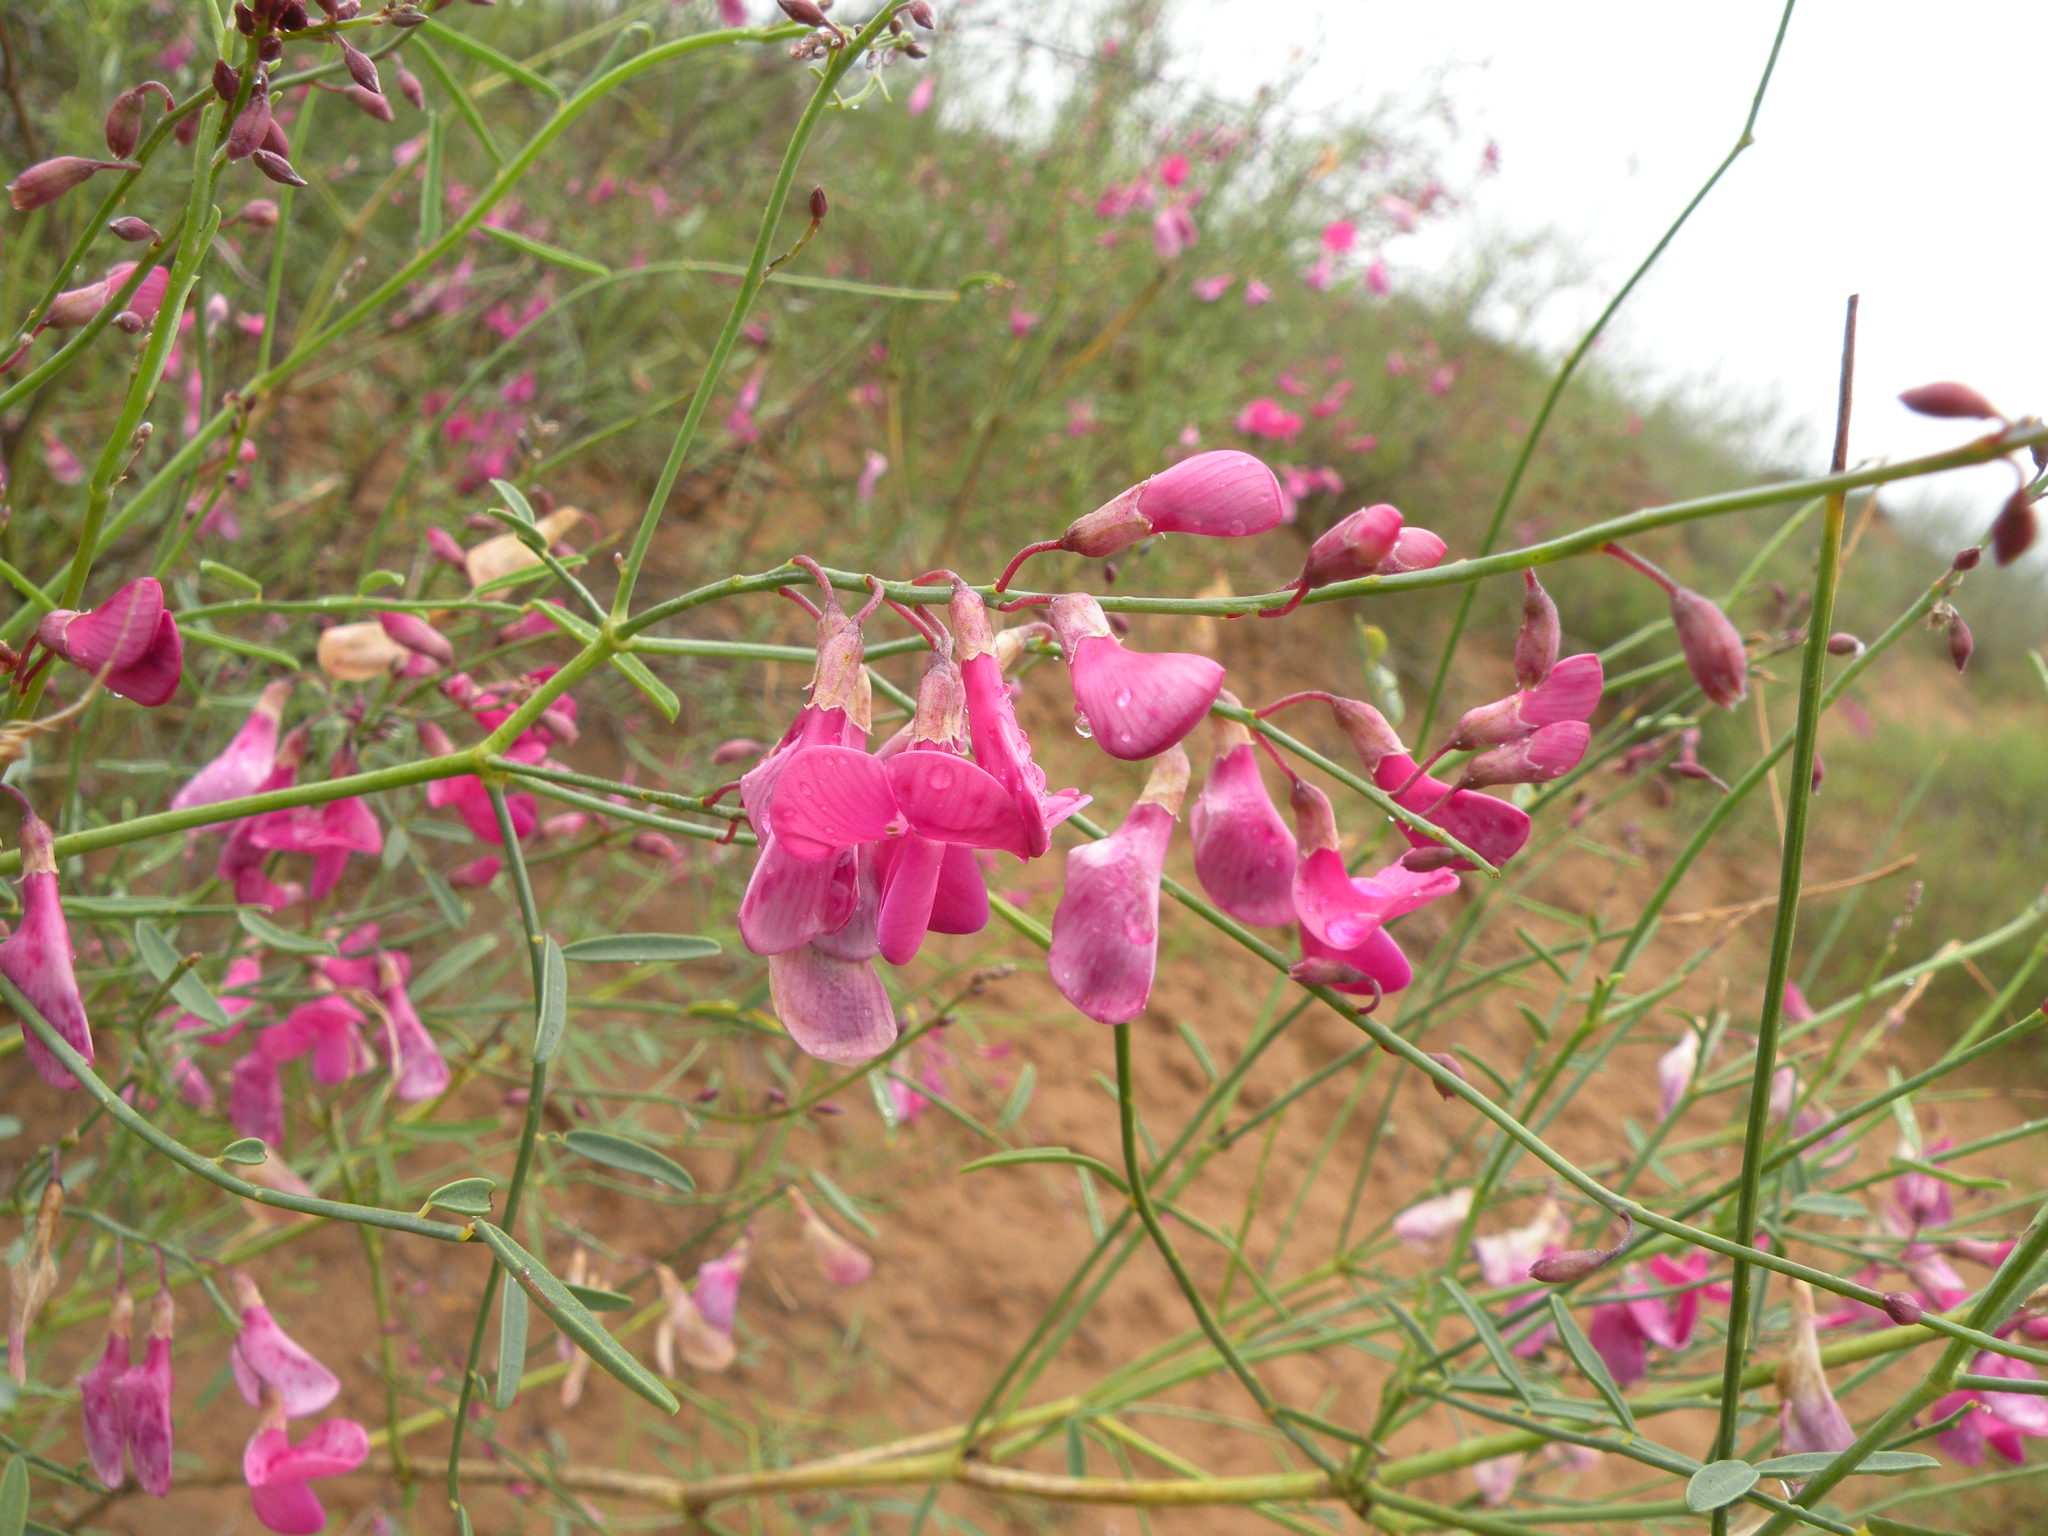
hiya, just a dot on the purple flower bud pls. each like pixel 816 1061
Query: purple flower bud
pixel 920 11
pixel 409 86
pixel 361 68
pixel 252 123
pixel 1902 1308
pixel 1577 1263
pixel 132 229
pixel 1961 643
pixel 1844 644
pixel 805 11
pixel 245 19
pixel 1949 399
pixel 371 104
pixel 124 117
pixel 1452 1065
pixel 416 634
pixel 277 168
pixel 2012 534
pixel 1713 647
pixel 818 205
pixel 227 80
pixel 258 213
pixel 48 180
pixel 1536 643
pixel 129 323
pixel 1422 861
pixel 292 17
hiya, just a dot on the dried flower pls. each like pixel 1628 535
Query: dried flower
pixel 838 1260
pixel 32 1277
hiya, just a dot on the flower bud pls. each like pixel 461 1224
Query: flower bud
pixel 252 123
pixel 818 205
pixel 1844 644
pixel 2012 534
pixel 258 213
pixel 1713 647
pixel 1961 643
pixel 1577 1263
pixel 1324 971
pixel 132 229
pixel 409 87
pixel 361 68
pixel 1949 400
pixel 245 19
pixel 130 323
pixel 737 750
pixel 48 180
pixel 270 50
pixel 355 653
pixel 1902 1308
pixel 277 168
pixel 1452 1065
pixel 1422 860
pixel 227 80
pixel 124 117
pixel 370 103
pixel 806 11
pixel 292 17
pixel 1536 643
pixel 920 11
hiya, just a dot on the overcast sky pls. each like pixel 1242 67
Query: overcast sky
pixel 1899 155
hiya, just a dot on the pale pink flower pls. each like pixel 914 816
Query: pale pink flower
pixel 1430 1221
pixel 1256 293
pixel 1105 933
pixel 919 101
pixel 873 466
pixel 1210 289
pixel 1377 280
pixel 838 1260
pixel 266 1359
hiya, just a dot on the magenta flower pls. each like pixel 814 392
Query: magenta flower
pixel 1173 231
pixel 1209 289
pixel 247 760
pixel 419 1070
pixel 1173 170
pixel 1105 932
pixel 1256 293
pixel 717 1288
pixel 327 1028
pixel 1351 547
pixel 279 1473
pixel 1337 912
pixel 127 1407
pixel 330 833
pixel 1568 691
pixel 1549 752
pixel 2002 1420
pixel 130 639
pixel 1339 235
pixel 106 1438
pixel 242 861
pixel 256 1098
pixel 1244 853
pixel 1377 280
pixel 36 957
pixel 1921 1199
pixel 1222 494
pixel 267 1361
pixel 838 1260
pixel 417 636
pixel 1263 416
pixel 1416 549
pixel 1488 826
pixel 1135 704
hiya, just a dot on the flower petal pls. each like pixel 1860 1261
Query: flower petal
pixel 829 798
pixel 835 1010
pixel 950 800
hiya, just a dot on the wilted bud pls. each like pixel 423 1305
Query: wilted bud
pixel 1536 643
pixel 277 168
pixel 1949 399
pixel 1713 647
pixel 48 180
pixel 838 1260
pixel 818 205
pixel 131 229
pixel 31 1278
pixel 409 86
pixel 2012 535
pixel 1844 644
pixel 361 67
pixel 355 653
pixel 1902 1309
pixel 1961 643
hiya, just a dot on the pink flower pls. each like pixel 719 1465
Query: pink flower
pixel 1399 211
pixel 1809 1419
pixel 327 1028
pixel 36 957
pixel 256 1099
pixel 1441 378
pixel 1355 545
pixel 1431 1221
pixel 1135 704
pixel 279 1473
pixel 1504 1257
pixel 1105 933
pixel 127 1407
pixel 717 1288
pixel 1210 289
pixel 130 638
pixel 330 833
pixel 1267 417
pixel 1173 170
pixel 1081 420
pixel 476 873
pixel 873 467
pixel 2000 1419
pixel 740 420
pixel 1344 919
pixel 268 1361
pixel 1323 275
pixel 417 636
pixel 1022 323
pixel 1488 826
pixel 1568 691
pixel 1339 235
pixel 834 1009
pixel 838 1260
pixel 1244 853
pixel 919 101
pixel 1921 1199
pixel 1675 1070
pixel 245 762
pixel 419 1071
pixel 1377 280
pixel 1256 293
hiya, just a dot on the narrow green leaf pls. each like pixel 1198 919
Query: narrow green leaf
pixel 1489 1337
pixel 1819 1202
pixel 552 1008
pixel 431 195
pixel 483 53
pixel 836 1197
pixel 228 576
pixel 646 947
pixel 1021 1156
pixel 553 255
pixel 1195 1047
pixel 1019 1099
pixel 456 962
pixel 573 1318
pixel 192 994
pixel 511 1346
pixel 601 1300
pixel 1884 1525
pixel 235 645
pixel 465 1197
pixel 462 1525
pixel 248 1151
pixel 629 1157
pixel 515 501
pixel 284 940
pixel 445 900
pixel 658 693
pixel 1719 1484
pixel 1807 1463
pixel 1588 1360
pixel 14 1497
pixel 378 580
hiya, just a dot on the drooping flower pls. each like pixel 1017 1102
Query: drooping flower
pixel 269 1362
pixel 836 1010
pixel 1135 704
pixel 1353 546
pixel 1675 1069
pixel 838 1260
pixel 142 1394
pixel 419 1071
pixel 36 956
pixel 1343 919
pixel 1244 852
pixel 1219 494
pixel 1809 1418
pixel 1105 932
pixel 1549 752
pixel 106 1440
pixel 131 639
pixel 1430 1221
pixel 1173 230
pixel 1569 691
pixel 1489 826
pixel 280 1474
pixel 247 760
pixel 2002 1420
pixel 47 180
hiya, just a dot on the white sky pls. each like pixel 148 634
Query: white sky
pixel 1899 155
